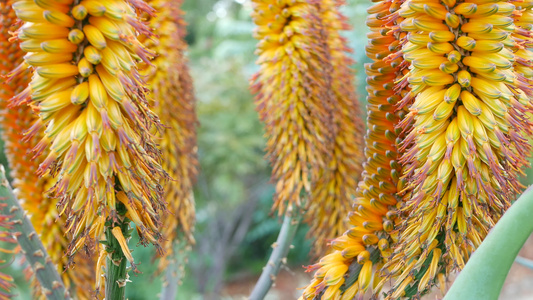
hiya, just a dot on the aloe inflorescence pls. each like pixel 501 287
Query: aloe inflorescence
pixel 306 98
pixel 332 194
pixel 468 141
pixel 92 103
pixel 347 272
pixel 463 122
pixel 29 188
pixel 293 96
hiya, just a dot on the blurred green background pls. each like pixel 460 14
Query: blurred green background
pixel 233 196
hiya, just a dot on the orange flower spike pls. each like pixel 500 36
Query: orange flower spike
pixel 361 250
pixel 332 195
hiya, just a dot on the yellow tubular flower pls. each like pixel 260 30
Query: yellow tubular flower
pixel 348 271
pixel 466 143
pixel 293 96
pixel 91 100
pixel 172 91
pixel 29 188
pixel 332 195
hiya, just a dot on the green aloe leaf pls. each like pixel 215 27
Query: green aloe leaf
pixel 485 272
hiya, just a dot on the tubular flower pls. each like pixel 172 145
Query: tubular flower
pixel 293 96
pixel 348 271
pixel 332 195
pixel 91 100
pixel 466 135
pixel 29 188
pixel 172 91
pixel 523 64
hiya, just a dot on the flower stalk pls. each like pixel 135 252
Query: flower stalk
pixel 279 255
pixel 116 261
pixel 30 244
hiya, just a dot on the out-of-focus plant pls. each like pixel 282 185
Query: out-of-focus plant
pixel 347 271
pixel 332 194
pixel 172 91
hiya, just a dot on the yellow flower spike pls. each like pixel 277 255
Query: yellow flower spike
pixel 286 143
pixel 94 144
pixel 380 178
pixel 178 141
pixel 460 178
pixel 31 189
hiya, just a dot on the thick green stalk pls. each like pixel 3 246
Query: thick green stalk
pixel 278 256
pixel 116 262
pixel 30 244
pixel 485 272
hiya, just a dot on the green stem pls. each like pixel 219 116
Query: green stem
pixel 116 262
pixel 485 272
pixel 278 256
pixel 32 247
